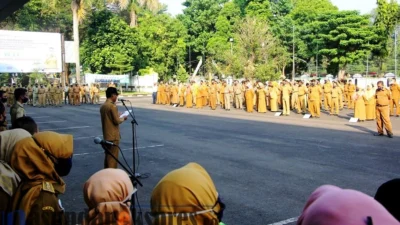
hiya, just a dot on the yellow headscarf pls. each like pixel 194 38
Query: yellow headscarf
pixel 35 167
pixel 188 190
pixel 105 193
pixel 369 93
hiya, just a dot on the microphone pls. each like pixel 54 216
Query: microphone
pixel 123 100
pixel 98 140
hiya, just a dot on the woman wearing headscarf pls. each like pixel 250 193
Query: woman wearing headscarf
pixel 388 195
pixel 370 103
pixel 249 95
pixel 359 109
pixel 41 161
pixel 330 205
pixel 108 193
pixel 273 96
pixel 261 93
pixel 186 192
pixel 189 96
pixel 9 180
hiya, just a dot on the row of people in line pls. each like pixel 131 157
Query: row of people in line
pixel 286 95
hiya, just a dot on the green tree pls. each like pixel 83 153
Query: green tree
pixel 109 42
pixel 182 75
pixel 346 38
pixel 161 43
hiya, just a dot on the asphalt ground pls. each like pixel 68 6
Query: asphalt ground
pixel 264 167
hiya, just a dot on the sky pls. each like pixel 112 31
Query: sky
pixel 364 6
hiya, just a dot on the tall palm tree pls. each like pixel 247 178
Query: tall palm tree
pixel 152 5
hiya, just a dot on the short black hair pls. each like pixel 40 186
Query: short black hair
pixel 19 92
pixel 110 91
pixel 26 123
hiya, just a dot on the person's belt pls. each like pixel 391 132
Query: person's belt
pixel 377 105
pixel 334 97
pixel 327 92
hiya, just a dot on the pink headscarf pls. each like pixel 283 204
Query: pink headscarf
pixel 330 205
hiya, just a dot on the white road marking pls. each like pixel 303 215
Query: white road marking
pixel 125 149
pixel 283 222
pixel 66 128
pixel 60 121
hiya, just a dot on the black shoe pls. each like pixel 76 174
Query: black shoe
pixel 390 135
pixel 378 135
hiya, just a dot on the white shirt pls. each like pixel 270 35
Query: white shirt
pixel 155 88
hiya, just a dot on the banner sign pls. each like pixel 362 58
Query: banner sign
pixel 27 52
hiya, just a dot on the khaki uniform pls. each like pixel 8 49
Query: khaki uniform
pixel 76 91
pixel 302 98
pixel 41 96
pixel 286 90
pixel 238 96
pixel 314 101
pixel 30 95
pixel 96 96
pixel 87 94
pixel 82 94
pixel 110 121
pixel 351 91
pixel 227 97
pixel 47 96
pixel 383 99
pixel 58 96
pixel 35 96
pixel 10 99
pixel 70 96
pixel 52 95
pixel 335 95
pixel 213 96
pixel 327 96
pixel 346 94
pixel 295 98
pixel 395 90
pixel 17 111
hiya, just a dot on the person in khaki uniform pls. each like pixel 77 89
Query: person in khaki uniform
pixel 302 97
pixel 199 97
pixel 295 97
pixel 237 91
pixel 395 90
pixel 383 98
pixel 82 94
pixel 96 96
pixel 167 94
pixel 77 95
pixel 58 96
pixel 227 96
pixel 52 95
pixel 341 88
pixel 335 95
pixel 327 95
pixel 314 100
pixel 37 196
pixel 351 88
pixel 213 95
pixel 35 95
pixel 182 90
pixel 87 94
pixel 110 121
pixel 41 96
pixel 17 110
pixel 30 95
pixel 286 90
pixel 71 94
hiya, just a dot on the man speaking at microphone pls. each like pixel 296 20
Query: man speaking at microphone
pixel 110 120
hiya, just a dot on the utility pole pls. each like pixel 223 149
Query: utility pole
pixel 316 66
pixel 395 51
pixel 294 71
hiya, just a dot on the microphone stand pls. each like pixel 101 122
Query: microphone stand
pixel 133 178
pixel 134 175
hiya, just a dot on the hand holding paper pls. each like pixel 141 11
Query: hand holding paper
pixel 125 114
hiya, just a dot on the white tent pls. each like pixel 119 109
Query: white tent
pixel 389 75
pixel 329 76
pixel 357 76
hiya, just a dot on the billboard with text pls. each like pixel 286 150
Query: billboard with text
pixel 26 52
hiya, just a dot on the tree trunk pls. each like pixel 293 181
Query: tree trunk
pixel 75 7
pixel 133 18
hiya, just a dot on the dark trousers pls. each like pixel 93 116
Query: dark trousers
pixel 154 97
